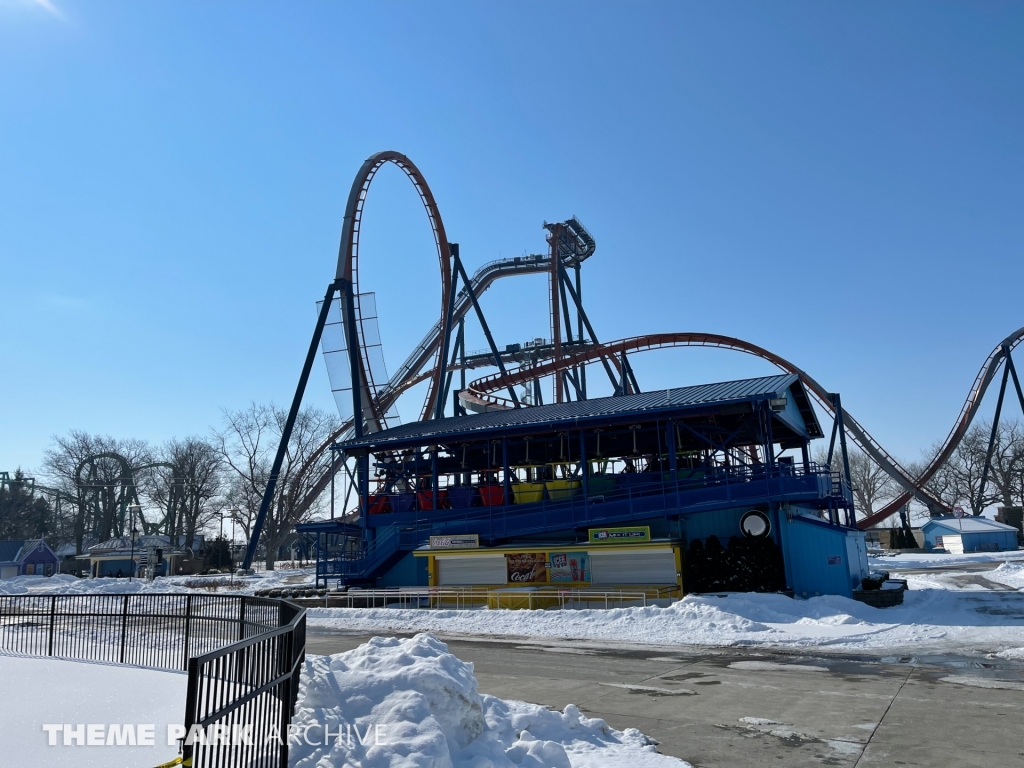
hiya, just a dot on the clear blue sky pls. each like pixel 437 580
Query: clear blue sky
pixel 840 183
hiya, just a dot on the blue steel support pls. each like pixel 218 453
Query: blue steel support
pixel 434 476
pixel 507 475
pixel 1016 381
pixel 586 322
pixel 450 371
pixel 286 433
pixel 832 441
pixel 670 439
pixel 851 515
pixel 579 333
pixel 446 337
pixel 459 409
pixel 995 429
pixel 483 324
pixel 584 470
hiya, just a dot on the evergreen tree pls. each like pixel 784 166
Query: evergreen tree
pixel 22 515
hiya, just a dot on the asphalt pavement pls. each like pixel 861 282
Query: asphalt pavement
pixel 747 707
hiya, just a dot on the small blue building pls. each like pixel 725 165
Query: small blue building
pixel 969 534
pixel 27 558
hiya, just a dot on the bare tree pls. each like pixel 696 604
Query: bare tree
pixel 872 486
pixel 61 463
pixel 1007 461
pixel 248 441
pixel 190 490
pixel 958 481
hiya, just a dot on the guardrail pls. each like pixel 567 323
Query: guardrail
pixel 436 598
pixel 243 656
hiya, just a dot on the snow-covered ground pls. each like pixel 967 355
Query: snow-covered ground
pixel 53 691
pixel 223 584
pixel 932 618
pixel 421 708
pixel 946 610
pixel 938 560
pixel 407 703
pixel 1010 574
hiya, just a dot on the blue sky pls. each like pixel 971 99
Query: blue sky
pixel 840 183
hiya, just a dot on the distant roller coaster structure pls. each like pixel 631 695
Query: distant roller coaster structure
pixel 436 359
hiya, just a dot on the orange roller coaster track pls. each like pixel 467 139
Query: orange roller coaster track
pixel 480 394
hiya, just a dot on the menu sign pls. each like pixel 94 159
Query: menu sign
pixel 526 567
pixel 569 566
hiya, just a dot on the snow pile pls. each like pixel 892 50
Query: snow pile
pixel 411 703
pixel 65 584
pixel 1010 574
pixel 695 620
pixel 937 618
pixel 939 560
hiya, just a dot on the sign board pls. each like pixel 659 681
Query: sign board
pixel 835 559
pixel 958 512
pixel 634 533
pixel 568 566
pixel 526 567
pixel 457 541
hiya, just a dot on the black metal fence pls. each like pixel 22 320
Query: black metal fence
pixel 243 656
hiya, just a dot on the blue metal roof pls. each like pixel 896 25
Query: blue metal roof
pixel 9 550
pixel 574 413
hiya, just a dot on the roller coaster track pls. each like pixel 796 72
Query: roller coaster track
pixel 412 372
pixel 480 394
pixel 348 264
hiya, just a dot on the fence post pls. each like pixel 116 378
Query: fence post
pixel 284 697
pixel 191 699
pixel 124 625
pixel 53 612
pixel 241 619
pixel 188 628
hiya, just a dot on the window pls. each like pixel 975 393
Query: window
pixel 49 569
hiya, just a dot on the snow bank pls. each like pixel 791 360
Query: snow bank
pixel 1010 574
pixel 941 619
pixel 65 584
pixel 938 560
pixel 421 708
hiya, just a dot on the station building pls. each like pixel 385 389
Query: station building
pixel 705 488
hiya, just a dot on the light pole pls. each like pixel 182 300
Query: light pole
pixel 133 509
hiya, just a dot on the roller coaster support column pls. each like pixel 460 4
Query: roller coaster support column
pixel 458 353
pixel 851 516
pixel 586 322
pixel 582 370
pixel 286 433
pixel 461 272
pixel 1007 372
pixel 556 322
pixel 446 337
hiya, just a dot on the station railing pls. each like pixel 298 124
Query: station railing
pixel 243 656
pixel 463 598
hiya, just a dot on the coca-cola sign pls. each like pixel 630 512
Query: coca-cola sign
pixel 526 567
